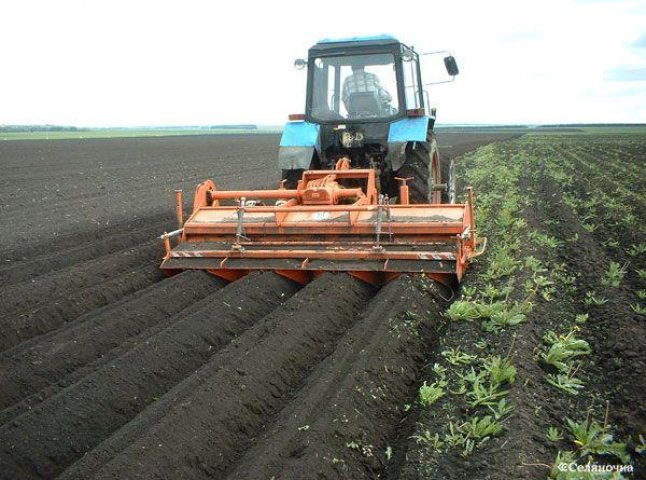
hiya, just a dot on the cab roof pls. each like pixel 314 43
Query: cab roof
pixel 360 39
pixel 328 44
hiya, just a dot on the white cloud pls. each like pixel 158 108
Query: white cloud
pixel 199 62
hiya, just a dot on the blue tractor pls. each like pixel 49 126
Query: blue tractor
pixel 366 103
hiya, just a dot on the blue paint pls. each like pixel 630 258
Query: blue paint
pixel 358 39
pixel 408 130
pixel 300 134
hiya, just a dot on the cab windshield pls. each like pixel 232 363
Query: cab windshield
pixel 355 87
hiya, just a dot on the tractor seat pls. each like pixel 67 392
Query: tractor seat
pixel 364 104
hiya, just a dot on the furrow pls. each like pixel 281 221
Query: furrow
pixel 77 239
pixel 36 307
pixel 24 371
pixel 355 396
pixel 207 423
pixel 43 441
pixel 82 247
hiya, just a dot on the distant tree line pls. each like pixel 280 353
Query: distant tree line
pixel 67 128
pixel 235 127
pixel 40 128
pixel 593 125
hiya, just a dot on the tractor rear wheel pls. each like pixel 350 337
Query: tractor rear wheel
pixel 422 165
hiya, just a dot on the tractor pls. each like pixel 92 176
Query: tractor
pixel 366 102
pixel 361 189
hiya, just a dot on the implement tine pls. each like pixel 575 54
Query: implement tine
pixel 240 233
pixel 380 214
pixel 389 217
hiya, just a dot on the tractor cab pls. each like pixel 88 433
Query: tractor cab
pixel 366 105
pixel 368 80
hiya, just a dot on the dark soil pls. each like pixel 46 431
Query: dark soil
pixel 355 397
pixel 35 365
pixel 41 443
pixel 250 381
pixel 41 304
pixel 84 246
pixel 101 356
pixel 51 190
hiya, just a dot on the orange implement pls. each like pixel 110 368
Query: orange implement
pixel 335 220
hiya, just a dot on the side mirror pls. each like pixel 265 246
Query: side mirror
pixel 451 66
pixel 300 64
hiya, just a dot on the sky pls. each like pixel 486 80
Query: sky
pixel 138 62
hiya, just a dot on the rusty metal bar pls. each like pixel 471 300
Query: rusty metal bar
pixel 380 212
pixel 345 254
pixel 339 208
pixel 418 229
pixel 280 194
pixel 179 209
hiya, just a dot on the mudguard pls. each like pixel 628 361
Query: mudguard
pixel 396 155
pixel 297 145
pixel 408 130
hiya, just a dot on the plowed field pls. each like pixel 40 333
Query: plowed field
pixel 109 370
